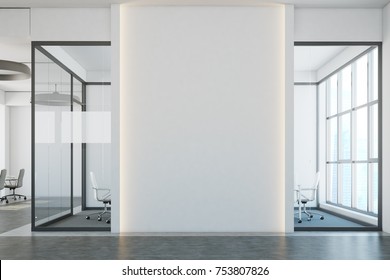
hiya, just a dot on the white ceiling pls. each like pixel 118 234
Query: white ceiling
pixel 91 58
pixel 106 3
pixel 311 58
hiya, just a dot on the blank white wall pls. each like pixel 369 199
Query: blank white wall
pixel 16 23
pixel 338 24
pixel 305 116
pixel 98 155
pixel 289 115
pixel 322 142
pixel 385 119
pixel 20 145
pixel 202 119
pixel 52 24
pixel 18 98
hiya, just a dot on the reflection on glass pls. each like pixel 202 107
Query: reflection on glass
pixel 332 100
pixel 346 91
pixel 332 183
pixel 361 81
pixel 346 184
pixel 345 136
pixel 361 134
pixel 361 186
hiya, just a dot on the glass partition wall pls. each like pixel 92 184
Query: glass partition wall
pixel 71 135
pixel 338 110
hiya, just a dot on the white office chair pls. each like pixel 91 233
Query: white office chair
pixel 305 195
pixel 12 185
pixel 103 195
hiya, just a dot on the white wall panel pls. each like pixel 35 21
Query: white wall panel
pixel 55 24
pixel 305 138
pixel 202 119
pixel 338 24
pixel 14 24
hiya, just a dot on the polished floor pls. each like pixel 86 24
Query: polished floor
pixel 18 243
pixel 287 247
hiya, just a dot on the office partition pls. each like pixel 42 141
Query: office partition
pixel 70 134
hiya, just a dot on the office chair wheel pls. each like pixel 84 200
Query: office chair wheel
pixel 108 221
pixel 25 198
pixel 311 216
pixel 6 201
pixel 309 219
pixel 99 218
pixel 87 217
pixel 299 221
pixel 322 217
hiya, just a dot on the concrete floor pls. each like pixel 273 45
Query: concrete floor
pixel 18 243
pixel 288 247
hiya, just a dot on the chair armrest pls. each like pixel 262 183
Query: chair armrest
pixel 104 193
pixel 308 189
pixel 103 189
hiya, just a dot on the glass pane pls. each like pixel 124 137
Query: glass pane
pixel 332 183
pixel 346 85
pixel 361 81
pixel 361 186
pixel 332 95
pixel 332 139
pixel 346 184
pixel 374 188
pixel 361 134
pixel 345 137
pixel 374 131
pixel 52 155
pixel 374 75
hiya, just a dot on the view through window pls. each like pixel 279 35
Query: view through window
pixel 352 159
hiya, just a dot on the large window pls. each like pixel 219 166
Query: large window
pixel 352 134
